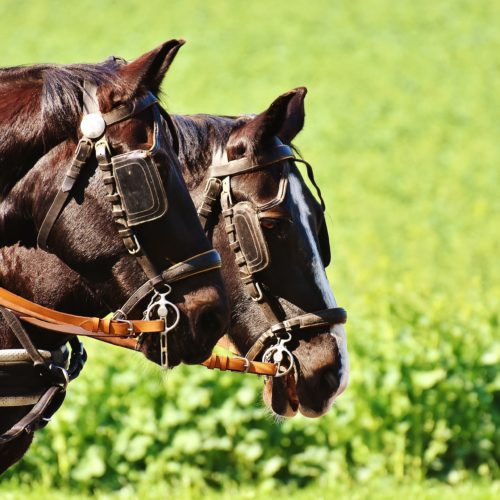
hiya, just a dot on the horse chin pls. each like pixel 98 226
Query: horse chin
pixel 280 395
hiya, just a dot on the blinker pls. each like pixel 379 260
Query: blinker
pixel 140 187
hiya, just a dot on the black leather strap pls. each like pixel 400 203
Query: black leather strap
pixel 245 165
pixel 39 415
pixel 198 264
pixel 82 154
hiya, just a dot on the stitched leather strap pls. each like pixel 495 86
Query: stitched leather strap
pixel 129 109
pixel 237 364
pixel 72 324
pixel 82 154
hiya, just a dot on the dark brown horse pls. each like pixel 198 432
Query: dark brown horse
pixel 295 232
pixel 296 275
pixel 40 114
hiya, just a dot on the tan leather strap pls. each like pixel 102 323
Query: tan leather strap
pixel 237 364
pixel 215 361
pixel 72 324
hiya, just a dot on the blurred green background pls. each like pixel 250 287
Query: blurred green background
pixel 402 127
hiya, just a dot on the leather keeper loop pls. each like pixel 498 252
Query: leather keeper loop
pixel 113 198
pixel 108 180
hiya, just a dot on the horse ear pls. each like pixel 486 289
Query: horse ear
pixel 284 118
pixel 267 125
pixel 295 114
pixel 147 71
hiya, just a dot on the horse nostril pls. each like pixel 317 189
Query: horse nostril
pixel 332 380
pixel 210 323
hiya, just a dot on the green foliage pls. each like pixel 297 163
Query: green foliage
pixel 402 128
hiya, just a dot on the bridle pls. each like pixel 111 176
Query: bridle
pixel 52 371
pixel 247 241
pixel 136 194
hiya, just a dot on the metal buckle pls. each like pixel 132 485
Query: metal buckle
pixel 54 369
pixel 130 326
pixel 247 363
pixel 137 248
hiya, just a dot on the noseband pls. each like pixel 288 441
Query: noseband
pixel 247 241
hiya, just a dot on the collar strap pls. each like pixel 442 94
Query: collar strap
pixel 245 165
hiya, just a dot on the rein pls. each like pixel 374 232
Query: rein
pixel 249 245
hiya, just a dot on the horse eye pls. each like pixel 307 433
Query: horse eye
pixel 269 223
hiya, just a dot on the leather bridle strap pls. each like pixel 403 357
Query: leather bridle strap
pixel 218 189
pixel 319 319
pixel 83 152
pixel 245 165
pixel 198 264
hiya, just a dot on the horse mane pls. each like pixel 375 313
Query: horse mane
pixel 39 106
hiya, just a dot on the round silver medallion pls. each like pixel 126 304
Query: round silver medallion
pixel 93 125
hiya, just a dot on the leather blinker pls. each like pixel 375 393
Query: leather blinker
pixel 140 187
pixel 249 233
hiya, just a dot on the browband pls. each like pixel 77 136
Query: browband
pixel 246 165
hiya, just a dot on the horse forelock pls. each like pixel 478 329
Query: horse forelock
pixel 201 138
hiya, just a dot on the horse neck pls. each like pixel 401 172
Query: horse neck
pixel 22 141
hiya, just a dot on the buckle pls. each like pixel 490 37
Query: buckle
pixel 130 326
pixel 60 373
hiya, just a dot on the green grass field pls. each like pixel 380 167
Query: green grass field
pixel 402 128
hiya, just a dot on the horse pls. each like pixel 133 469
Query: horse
pixel 272 235
pixel 295 239
pixel 159 249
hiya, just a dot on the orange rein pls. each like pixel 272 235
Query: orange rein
pixel 122 333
